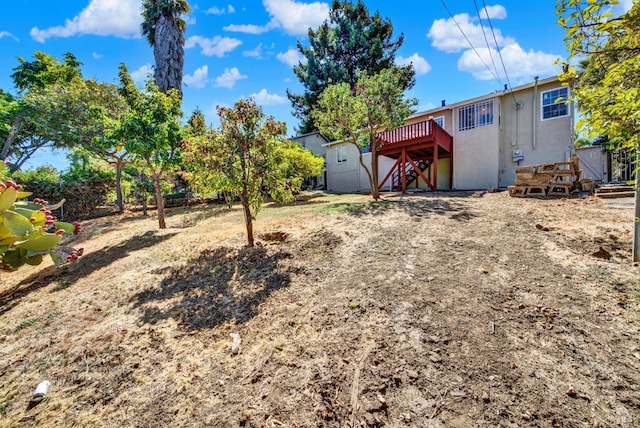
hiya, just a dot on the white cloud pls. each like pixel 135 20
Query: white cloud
pixel 8 34
pixel 494 12
pixel 119 18
pixel 296 18
pixel 255 52
pixel 291 57
pixel 229 78
pixel 250 28
pixel 293 17
pixel 420 65
pixel 141 74
pixel 96 55
pixel 447 37
pixel 218 11
pixel 520 64
pixel 198 79
pixel 265 98
pixel 217 46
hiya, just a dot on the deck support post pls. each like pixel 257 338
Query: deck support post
pixel 404 170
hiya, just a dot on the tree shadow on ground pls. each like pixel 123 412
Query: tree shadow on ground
pixel 186 217
pixel 87 264
pixel 93 227
pixel 418 207
pixel 225 284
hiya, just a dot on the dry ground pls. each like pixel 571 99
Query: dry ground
pixel 454 310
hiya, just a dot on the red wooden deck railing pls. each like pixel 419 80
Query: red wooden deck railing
pixel 407 132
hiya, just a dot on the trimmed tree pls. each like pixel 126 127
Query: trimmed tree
pixel 358 116
pixel 249 158
pixel 152 131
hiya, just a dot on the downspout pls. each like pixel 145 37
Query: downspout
pixel 534 140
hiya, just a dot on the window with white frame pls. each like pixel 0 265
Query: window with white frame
pixel 555 103
pixel 342 154
pixel 475 115
pixel 439 120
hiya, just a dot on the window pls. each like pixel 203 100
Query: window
pixel 342 153
pixel 554 103
pixel 475 115
pixel 439 120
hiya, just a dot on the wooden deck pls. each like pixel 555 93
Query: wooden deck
pixel 422 143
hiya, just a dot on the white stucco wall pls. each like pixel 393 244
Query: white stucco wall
pixel 475 156
pixel 539 140
pixel 349 176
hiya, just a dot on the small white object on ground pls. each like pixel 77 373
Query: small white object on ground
pixel 41 391
pixel 235 346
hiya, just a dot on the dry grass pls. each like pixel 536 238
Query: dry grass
pixel 436 310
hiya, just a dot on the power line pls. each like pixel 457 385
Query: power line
pixel 484 34
pixel 469 41
pixel 506 75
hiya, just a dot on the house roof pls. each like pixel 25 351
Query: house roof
pixel 485 97
pixel 308 134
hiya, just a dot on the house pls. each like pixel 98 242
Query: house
pixel 468 145
pixel 315 142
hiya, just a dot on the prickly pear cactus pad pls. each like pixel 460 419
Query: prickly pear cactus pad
pixel 29 231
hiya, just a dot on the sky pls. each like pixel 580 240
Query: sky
pixel 235 49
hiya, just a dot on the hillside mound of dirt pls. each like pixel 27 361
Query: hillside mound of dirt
pixel 448 309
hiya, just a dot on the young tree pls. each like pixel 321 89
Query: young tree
pixel 248 158
pixel 357 116
pixel 165 30
pixel 607 84
pixel 151 130
pixel 349 42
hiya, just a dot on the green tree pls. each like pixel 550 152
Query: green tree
pixel 106 107
pixel 377 103
pixel 196 124
pixel 152 131
pixel 164 29
pixel 46 111
pixel 349 42
pixel 606 85
pixel 248 158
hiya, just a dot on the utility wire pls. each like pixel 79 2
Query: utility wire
pixel 484 34
pixel 486 11
pixel 469 41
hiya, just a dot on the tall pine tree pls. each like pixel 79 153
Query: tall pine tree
pixel 350 41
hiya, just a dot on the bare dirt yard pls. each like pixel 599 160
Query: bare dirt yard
pixel 448 309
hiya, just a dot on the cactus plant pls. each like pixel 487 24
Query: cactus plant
pixel 28 230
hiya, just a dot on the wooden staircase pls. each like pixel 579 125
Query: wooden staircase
pixel 410 171
pixel 614 191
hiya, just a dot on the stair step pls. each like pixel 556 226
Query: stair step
pixel 618 194
pixel 614 189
